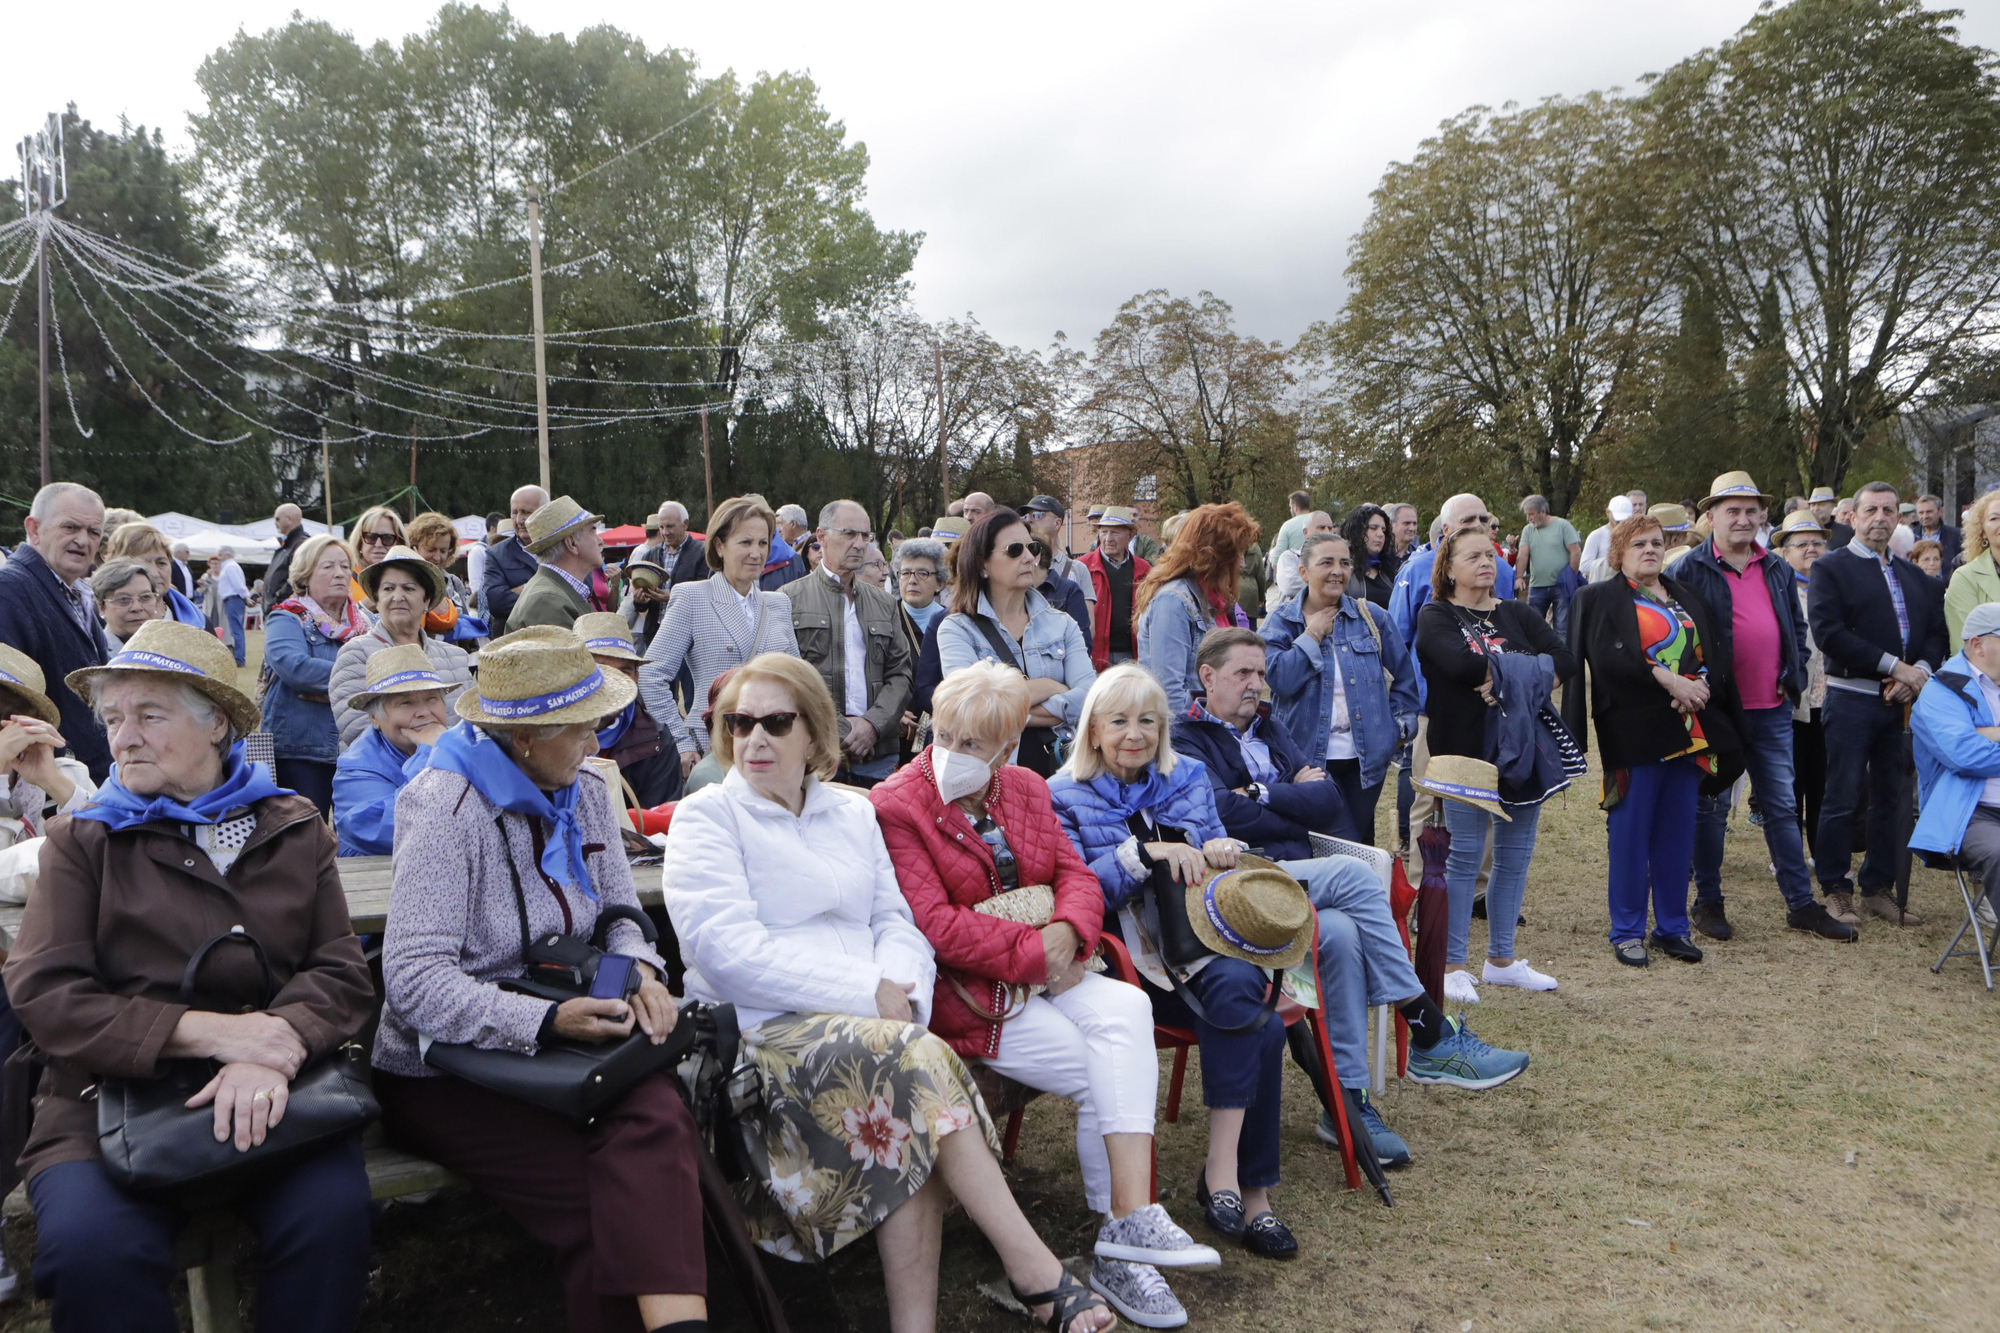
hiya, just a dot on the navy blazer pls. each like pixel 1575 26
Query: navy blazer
pixel 509 565
pixel 35 618
pixel 1066 595
pixel 1297 809
pixel 1854 621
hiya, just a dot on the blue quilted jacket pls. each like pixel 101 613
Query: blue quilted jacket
pixel 1093 813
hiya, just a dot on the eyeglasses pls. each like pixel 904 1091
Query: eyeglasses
pixel 378 539
pixel 852 532
pixel 1014 550
pixel 916 573
pixel 144 601
pixel 775 724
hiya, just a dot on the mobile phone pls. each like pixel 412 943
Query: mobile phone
pixel 613 979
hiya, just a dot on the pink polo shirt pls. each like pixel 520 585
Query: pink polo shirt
pixel 1755 628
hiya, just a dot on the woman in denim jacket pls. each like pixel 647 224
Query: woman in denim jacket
pixel 1337 705
pixel 1190 590
pixel 996 568
pixel 302 636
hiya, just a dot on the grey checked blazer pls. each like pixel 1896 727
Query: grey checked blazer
pixel 704 631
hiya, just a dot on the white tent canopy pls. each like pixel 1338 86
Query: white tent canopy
pixel 254 543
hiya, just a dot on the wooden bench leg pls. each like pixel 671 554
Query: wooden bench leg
pixel 212 1293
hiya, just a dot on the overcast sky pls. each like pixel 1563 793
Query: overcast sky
pixel 1060 157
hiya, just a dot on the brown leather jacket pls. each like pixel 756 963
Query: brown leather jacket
pixel 96 969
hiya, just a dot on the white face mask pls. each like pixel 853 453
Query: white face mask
pixel 958 775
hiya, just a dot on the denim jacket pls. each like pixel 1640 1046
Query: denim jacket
pixel 1054 650
pixel 1383 715
pixel 301 663
pixel 1168 635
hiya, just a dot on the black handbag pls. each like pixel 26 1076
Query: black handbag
pixel 1179 945
pixel 576 1080
pixel 1038 751
pixel 154 1145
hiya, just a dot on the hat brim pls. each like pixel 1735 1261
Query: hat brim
pixel 38 703
pixel 362 698
pixel 1702 505
pixel 1491 805
pixel 1205 931
pixel 431 576
pixel 618 691
pixel 556 538
pixel 622 654
pixel 243 712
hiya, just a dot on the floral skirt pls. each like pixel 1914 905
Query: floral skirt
pixel 853 1111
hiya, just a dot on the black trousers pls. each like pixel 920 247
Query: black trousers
pixel 1809 774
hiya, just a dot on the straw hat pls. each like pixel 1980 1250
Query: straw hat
pixel 1672 517
pixel 407 560
pixel 183 653
pixel 403 669
pixel 1824 493
pixel 1118 516
pixel 1733 486
pixel 506 528
pixel 1255 912
pixel 557 519
pixel 19 673
pixel 1799 520
pixel 1470 781
pixel 950 529
pixel 541 676
pixel 645 574
pixel 606 634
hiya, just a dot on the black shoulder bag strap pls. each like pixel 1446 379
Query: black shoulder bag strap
pixel 1038 744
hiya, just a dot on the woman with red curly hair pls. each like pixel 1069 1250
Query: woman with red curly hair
pixel 1190 591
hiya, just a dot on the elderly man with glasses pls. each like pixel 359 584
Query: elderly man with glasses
pixel 44 611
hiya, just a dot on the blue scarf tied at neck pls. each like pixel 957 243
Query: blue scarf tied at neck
pixel 614 730
pixel 478 758
pixel 243 783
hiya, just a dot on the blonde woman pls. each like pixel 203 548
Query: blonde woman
pixel 374 533
pixel 1977 580
pixel 787 906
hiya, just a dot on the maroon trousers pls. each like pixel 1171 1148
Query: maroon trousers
pixel 619 1202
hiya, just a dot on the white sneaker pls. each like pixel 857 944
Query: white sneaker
pixel 1517 973
pixel 1459 989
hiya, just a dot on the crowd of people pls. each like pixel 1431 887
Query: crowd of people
pixel 956 800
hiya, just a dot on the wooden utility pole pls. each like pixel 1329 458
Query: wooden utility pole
pixel 944 458
pixel 541 356
pixel 44 188
pixel 413 476
pixel 707 473
pixel 42 281
pixel 326 478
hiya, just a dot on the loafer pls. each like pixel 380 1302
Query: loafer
pixel 1632 953
pixel 1840 906
pixel 1222 1210
pixel 1710 921
pixel 1816 920
pixel 1677 946
pixel 1268 1238
pixel 1882 905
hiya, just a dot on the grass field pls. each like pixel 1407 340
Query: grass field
pixel 1790 1135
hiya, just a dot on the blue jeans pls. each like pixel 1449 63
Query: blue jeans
pixel 1362 960
pixel 1513 848
pixel 1767 746
pixel 232 610
pixel 105 1257
pixel 1541 599
pixel 1651 837
pixel 1864 745
pixel 1244 1069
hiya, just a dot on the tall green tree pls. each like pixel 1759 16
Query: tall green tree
pixel 1844 155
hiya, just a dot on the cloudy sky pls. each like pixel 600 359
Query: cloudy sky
pixel 1061 157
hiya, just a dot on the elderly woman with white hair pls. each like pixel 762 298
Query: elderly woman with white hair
pixel 404 588
pixel 787 906
pixel 188 851
pixel 1014 915
pixel 404 702
pixel 303 636
pixel 127 596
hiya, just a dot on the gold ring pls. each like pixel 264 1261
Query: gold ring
pixel 261 1095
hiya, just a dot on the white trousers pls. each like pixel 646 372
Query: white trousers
pixel 1094 1045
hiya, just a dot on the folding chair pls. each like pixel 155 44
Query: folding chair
pixel 1383 864
pixel 1982 948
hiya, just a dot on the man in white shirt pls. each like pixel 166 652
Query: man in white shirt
pixel 235 595
pixel 1597 546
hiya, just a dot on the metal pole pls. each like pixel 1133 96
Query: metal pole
pixel 541 356
pixel 42 331
pixel 944 459
pixel 707 474
pixel 326 478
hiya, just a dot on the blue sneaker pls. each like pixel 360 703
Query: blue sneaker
pixel 1464 1061
pixel 1390 1150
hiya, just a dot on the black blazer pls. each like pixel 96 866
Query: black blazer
pixel 35 618
pixel 1854 622
pixel 1636 721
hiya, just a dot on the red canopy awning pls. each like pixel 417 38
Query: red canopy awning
pixel 628 535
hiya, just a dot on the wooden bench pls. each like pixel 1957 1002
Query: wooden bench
pixel 209 1241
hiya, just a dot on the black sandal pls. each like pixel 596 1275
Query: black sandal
pixel 1067 1299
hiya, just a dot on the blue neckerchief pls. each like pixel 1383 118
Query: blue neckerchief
pixel 1148 793
pixel 614 731
pixel 478 758
pixel 242 784
pixel 185 611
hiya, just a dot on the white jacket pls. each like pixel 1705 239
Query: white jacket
pixel 22 823
pixel 779 913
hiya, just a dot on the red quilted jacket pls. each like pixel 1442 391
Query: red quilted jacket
pixel 945 868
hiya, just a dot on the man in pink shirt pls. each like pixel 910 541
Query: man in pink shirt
pixel 1750 597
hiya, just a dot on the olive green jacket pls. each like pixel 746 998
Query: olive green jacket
pixel 1975 582
pixel 547 600
pixel 818 622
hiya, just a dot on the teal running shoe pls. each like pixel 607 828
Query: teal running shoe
pixel 1390 1150
pixel 1464 1061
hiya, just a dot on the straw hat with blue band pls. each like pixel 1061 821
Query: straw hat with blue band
pixel 1733 486
pixel 542 676
pixel 559 518
pixel 19 675
pixel 403 669
pixel 1255 912
pixel 407 560
pixel 1823 495
pixel 606 634
pixel 1796 522
pixel 1468 781
pixel 186 654
pixel 1670 517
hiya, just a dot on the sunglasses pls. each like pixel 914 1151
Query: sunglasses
pixel 775 724
pixel 378 539
pixel 1014 550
